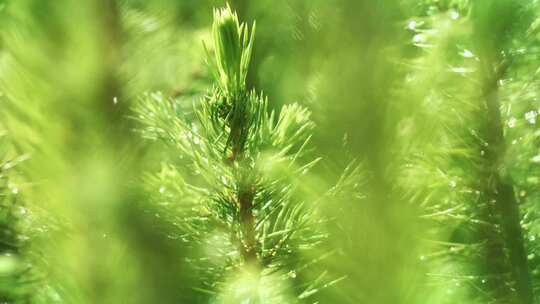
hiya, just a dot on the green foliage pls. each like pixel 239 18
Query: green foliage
pixel 242 197
pixel 459 174
pixel 233 47
pixel 426 114
pixel 17 278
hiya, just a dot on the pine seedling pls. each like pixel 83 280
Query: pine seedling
pixel 234 187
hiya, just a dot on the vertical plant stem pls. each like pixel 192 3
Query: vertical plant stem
pixel 247 223
pixel 502 192
pixel 110 90
pixel 244 198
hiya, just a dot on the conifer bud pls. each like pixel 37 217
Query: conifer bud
pixel 233 45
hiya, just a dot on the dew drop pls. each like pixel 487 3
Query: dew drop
pixel 512 122
pixel 412 25
pixel 467 54
pixel 162 189
pixel 452 184
pixel 531 117
pixel 419 38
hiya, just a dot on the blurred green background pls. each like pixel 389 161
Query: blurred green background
pixel 435 99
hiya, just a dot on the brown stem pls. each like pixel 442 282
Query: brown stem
pixel 247 223
pixel 244 201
